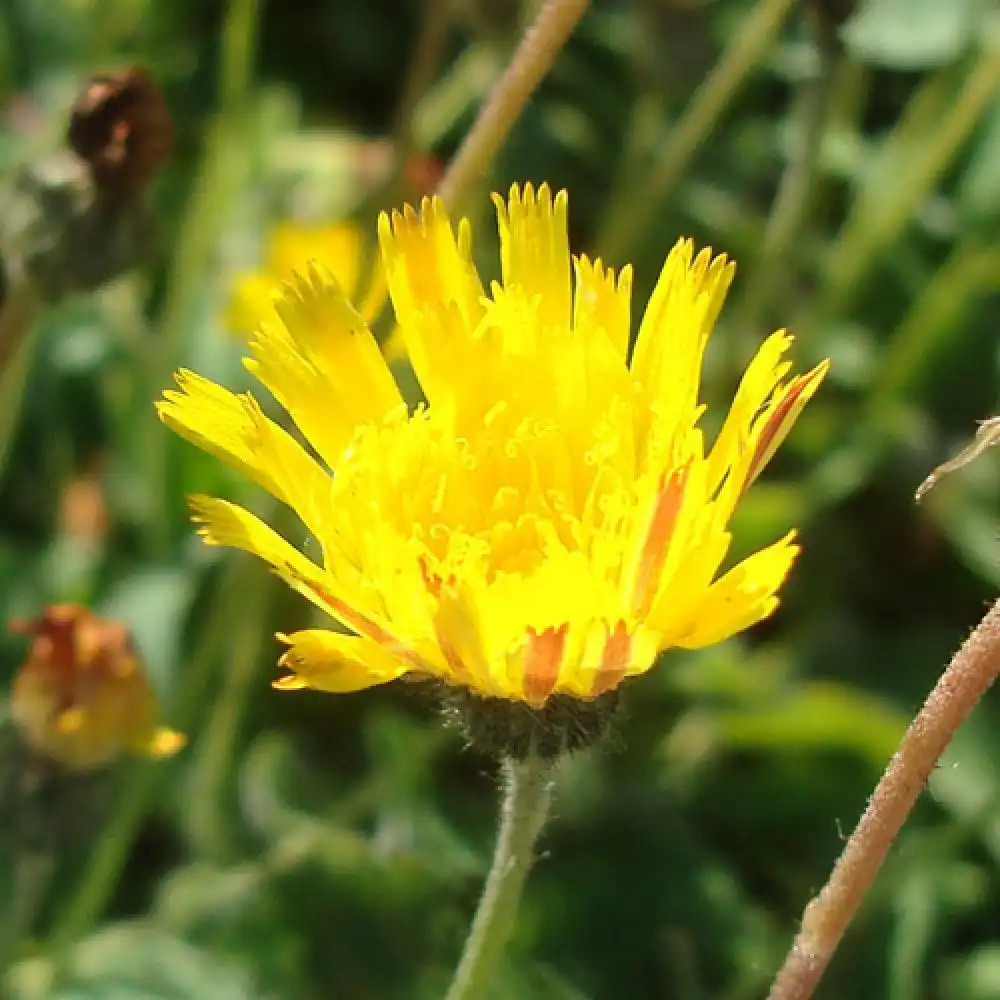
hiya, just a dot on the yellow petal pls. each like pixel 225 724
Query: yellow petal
pixel 162 742
pixel 762 420
pixel 534 250
pixel 339 248
pixel 781 416
pixel 233 428
pixel 323 364
pixel 743 597
pixel 227 524
pixel 683 589
pixel 758 383
pixel 330 661
pixel 602 302
pixel 223 523
pixel 666 363
pixel 459 636
pixel 435 292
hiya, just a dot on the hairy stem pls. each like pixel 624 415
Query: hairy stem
pixel 531 61
pixel 528 789
pixel 971 671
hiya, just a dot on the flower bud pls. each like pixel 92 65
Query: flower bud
pixel 120 126
pixel 81 697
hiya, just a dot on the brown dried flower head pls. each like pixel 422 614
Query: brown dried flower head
pixel 120 125
pixel 81 697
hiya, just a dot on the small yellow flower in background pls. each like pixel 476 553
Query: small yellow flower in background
pixel 552 518
pixel 291 246
pixel 81 698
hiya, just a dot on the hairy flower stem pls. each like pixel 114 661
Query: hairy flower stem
pixel 971 671
pixel 528 789
pixel 531 61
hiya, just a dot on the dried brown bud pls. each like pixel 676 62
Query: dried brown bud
pixel 121 127
pixel 81 698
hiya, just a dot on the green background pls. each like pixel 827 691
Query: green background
pixel 314 846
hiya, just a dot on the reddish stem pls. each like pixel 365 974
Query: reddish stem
pixel 971 671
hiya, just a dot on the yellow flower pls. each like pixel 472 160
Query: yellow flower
pixel 551 519
pixel 81 698
pixel 290 247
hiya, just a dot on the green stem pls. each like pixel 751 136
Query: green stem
pixel 219 176
pixel 88 898
pixel 745 50
pixel 970 272
pixel 239 44
pixel 528 790
pixel 790 207
pixel 15 369
pixel 531 61
pixel 208 829
pixel 105 864
pixel 31 876
pixel 428 54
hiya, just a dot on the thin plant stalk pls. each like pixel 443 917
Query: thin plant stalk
pixel 428 53
pixel 86 901
pixel 239 52
pixel 971 271
pixel 217 178
pixel 15 370
pixel 793 200
pixel 532 59
pixel 527 793
pixel 31 877
pixel 208 830
pixel 972 670
pixel 916 159
pixel 627 218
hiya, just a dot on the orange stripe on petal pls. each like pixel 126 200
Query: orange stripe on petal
pixel 362 624
pixel 798 393
pixel 614 660
pixel 661 529
pixel 542 659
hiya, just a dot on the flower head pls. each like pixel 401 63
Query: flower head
pixel 551 519
pixel 81 698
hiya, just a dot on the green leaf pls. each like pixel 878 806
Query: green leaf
pixel 977 976
pixel 979 192
pixel 819 715
pixel 136 962
pixel 912 34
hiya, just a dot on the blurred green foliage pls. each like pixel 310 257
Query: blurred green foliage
pixel 306 846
